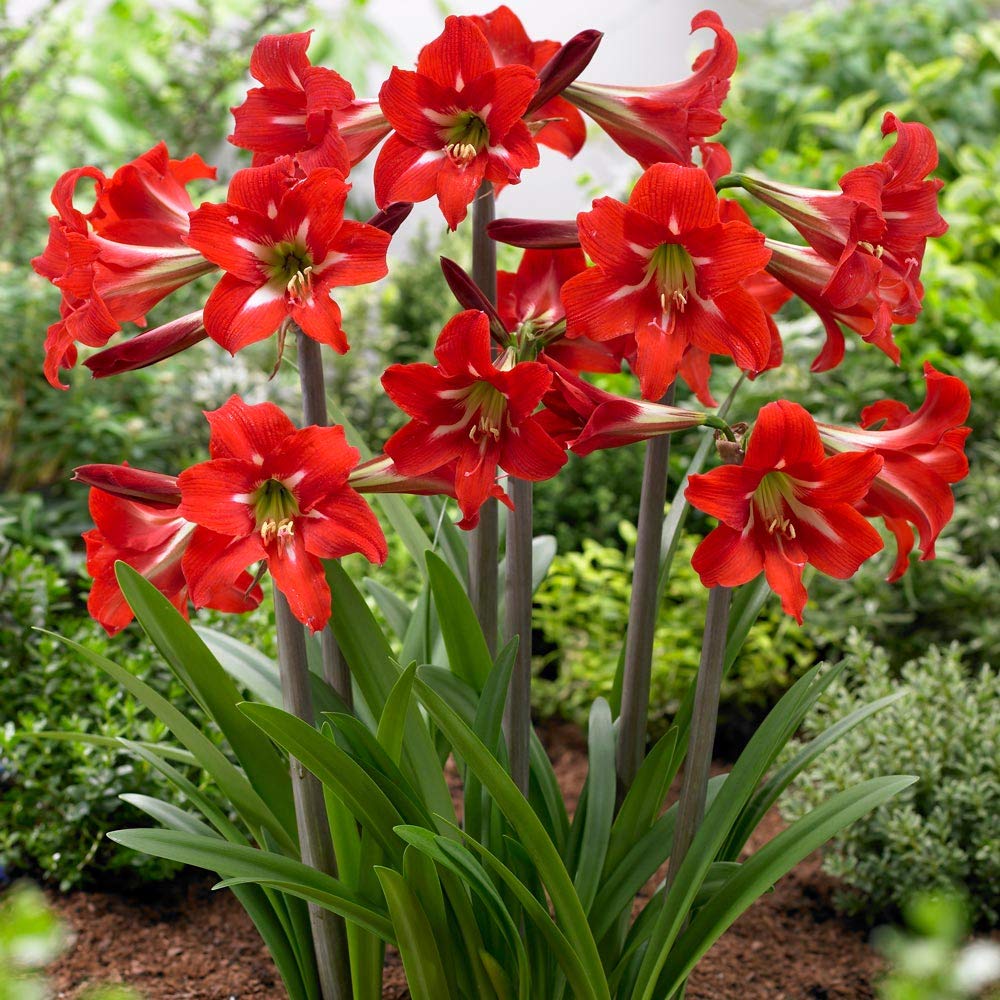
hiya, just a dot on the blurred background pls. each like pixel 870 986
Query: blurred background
pixel 99 83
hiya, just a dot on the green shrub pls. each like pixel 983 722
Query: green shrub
pixel 581 613
pixel 942 833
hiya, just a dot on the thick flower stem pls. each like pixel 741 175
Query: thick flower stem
pixel 642 611
pixel 335 670
pixel 484 541
pixel 329 932
pixel 704 716
pixel 517 604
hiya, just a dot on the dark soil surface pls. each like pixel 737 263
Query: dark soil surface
pixel 181 941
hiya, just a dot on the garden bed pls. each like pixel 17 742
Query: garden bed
pixel 181 941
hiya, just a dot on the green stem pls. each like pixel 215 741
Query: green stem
pixel 704 716
pixel 484 541
pixel 517 604
pixel 329 933
pixel 642 611
pixel 729 181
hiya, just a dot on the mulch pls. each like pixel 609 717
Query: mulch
pixel 181 941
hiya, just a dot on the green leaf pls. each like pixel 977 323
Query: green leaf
pixel 237 861
pixel 249 667
pixel 392 723
pixel 168 814
pixel 397 612
pixel 763 869
pixel 532 834
pixel 199 671
pixel 418 949
pixel 468 655
pixel 95 739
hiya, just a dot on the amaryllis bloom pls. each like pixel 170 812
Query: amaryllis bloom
pixel 114 262
pixel 556 124
pixel 585 418
pixel 474 410
pixel 529 301
pixel 284 245
pixel 152 539
pixel 924 453
pixel 277 494
pixel 785 506
pixel 665 124
pixel 875 229
pixel 893 300
pixel 669 274
pixel 457 120
pixel 304 111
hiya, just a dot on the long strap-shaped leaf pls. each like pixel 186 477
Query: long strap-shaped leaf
pixel 770 863
pixel 265 867
pixel 530 830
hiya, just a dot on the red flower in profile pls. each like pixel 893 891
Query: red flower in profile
pixel 303 111
pixel 665 124
pixel 457 120
pixel 669 274
pixel 924 453
pixel 115 262
pixel 274 493
pixel 474 410
pixel 873 231
pixel 556 124
pixel 785 506
pixel 285 245
pixel 151 538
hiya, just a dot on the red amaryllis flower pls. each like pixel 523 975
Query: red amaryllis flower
pixel 284 245
pixel 893 300
pixel 875 229
pixel 151 538
pixel 457 119
pixel 556 124
pixel 274 493
pixel 785 506
pixel 669 273
pixel 584 418
pixel 116 261
pixel 474 410
pixel 303 111
pixel 924 453
pixel 664 124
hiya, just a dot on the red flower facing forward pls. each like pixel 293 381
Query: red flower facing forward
pixel 115 262
pixel 474 410
pixel 669 274
pixel 665 124
pixel 274 493
pixel 556 124
pixel 924 453
pixel 874 230
pixel 152 539
pixel 284 245
pixel 457 120
pixel 785 506
pixel 303 111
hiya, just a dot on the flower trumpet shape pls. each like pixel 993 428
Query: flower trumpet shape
pixel 284 245
pixel 923 452
pixel 788 504
pixel 304 111
pixel 457 120
pixel 277 494
pixel 474 410
pixel 668 275
pixel 665 124
pixel 115 262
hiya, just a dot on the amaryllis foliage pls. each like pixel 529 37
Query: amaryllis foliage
pixel 277 494
pixel 787 505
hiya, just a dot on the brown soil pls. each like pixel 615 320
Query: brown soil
pixel 182 941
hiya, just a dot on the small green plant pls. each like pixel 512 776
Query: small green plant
pixel 942 833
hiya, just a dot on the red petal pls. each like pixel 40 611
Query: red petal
pixel 417 447
pixel 726 558
pixel 238 313
pixel 475 474
pixel 681 198
pixel 615 238
pixel 597 308
pixel 313 462
pixel 837 540
pixel 724 493
pixel 235 238
pixel 281 60
pixel 300 577
pixel 785 578
pixel 247 433
pixel 405 99
pixel 842 478
pixel 361 250
pixel 725 256
pixel 503 96
pixel 463 347
pixel 904 546
pixel 313 211
pixel 658 357
pixel 345 525
pixel 216 495
pixel 406 172
pixel 271 123
pixel 783 435
pixel 417 390
pixel 214 563
pixel 320 318
pixel 524 385
pixel 457 56
pixel 527 452
pixel 515 153
pixel 457 186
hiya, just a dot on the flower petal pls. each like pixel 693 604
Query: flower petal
pixel 783 435
pixel 238 313
pixel 247 432
pixel 344 524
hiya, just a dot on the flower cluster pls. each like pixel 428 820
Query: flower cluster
pixel 660 282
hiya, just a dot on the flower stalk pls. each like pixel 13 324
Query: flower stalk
pixel 642 611
pixel 484 543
